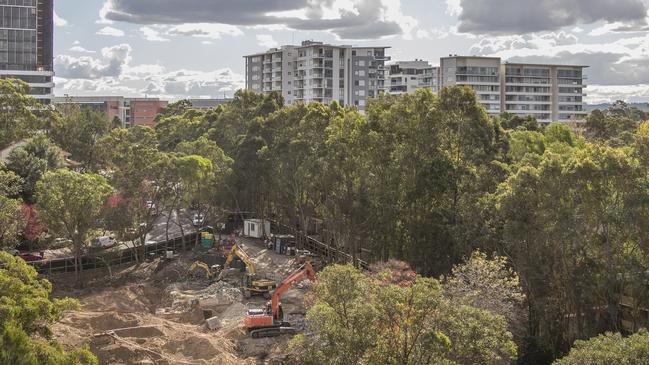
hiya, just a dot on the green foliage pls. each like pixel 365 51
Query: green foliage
pixel 517 122
pixel 489 284
pixel 12 221
pixel 610 348
pixel 32 160
pixel 10 183
pixel 77 130
pixel 26 313
pixel 358 319
pixel 70 203
pixel 17 119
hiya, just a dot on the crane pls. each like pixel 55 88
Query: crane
pixel 253 284
pixel 269 322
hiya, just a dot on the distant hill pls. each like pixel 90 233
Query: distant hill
pixel 642 106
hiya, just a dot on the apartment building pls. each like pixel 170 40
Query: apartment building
pixel 408 76
pixel 482 74
pixel 131 111
pixel 547 92
pixel 315 71
pixel 26 44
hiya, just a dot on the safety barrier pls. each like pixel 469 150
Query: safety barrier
pixel 104 258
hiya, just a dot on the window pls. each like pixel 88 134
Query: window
pixel 361 63
pixel 361 82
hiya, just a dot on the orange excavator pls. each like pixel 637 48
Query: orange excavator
pixel 269 322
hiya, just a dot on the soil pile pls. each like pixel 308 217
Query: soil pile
pixel 156 314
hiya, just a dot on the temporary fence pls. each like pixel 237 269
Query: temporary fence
pixel 327 252
pixel 112 257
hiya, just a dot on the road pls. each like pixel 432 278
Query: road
pixel 157 234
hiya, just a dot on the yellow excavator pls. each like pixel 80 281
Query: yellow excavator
pixel 199 266
pixel 252 284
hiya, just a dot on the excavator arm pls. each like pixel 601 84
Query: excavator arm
pixel 306 271
pixel 240 253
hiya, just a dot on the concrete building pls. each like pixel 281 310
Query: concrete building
pixel 315 71
pixel 26 44
pixel 131 111
pixel 408 76
pixel 547 92
pixel 208 103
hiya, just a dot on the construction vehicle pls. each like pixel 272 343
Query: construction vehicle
pixel 252 285
pixel 201 267
pixel 269 322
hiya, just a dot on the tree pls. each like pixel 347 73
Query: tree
pixel 513 121
pixel 77 130
pixel 609 348
pixel 10 183
pixel 116 123
pixel 70 204
pixel 356 319
pixel 32 160
pixel 26 314
pixel 11 222
pixel 17 119
pixel 489 284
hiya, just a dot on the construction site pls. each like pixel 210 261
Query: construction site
pixel 183 308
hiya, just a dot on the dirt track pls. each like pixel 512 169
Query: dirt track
pixel 155 314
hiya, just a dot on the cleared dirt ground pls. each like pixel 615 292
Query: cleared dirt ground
pixel 156 313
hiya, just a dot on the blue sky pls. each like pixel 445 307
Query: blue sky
pixel 193 48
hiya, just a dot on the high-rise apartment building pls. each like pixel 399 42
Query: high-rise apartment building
pixel 315 71
pixel 547 92
pixel 408 76
pixel 26 44
pixel 482 74
pixel 130 111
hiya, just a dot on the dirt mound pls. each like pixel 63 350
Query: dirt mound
pixel 156 314
pixel 193 347
pixel 131 298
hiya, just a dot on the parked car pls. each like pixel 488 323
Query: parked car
pixel 103 242
pixel 198 219
pixel 61 242
pixel 29 257
pixel 150 205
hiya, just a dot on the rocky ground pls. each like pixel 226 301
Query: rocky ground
pixel 156 313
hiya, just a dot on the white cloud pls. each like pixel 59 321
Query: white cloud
pixel 152 35
pixel 433 33
pixel 80 49
pixel 110 31
pixel 266 41
pixel 112 63
pixel 607 93
pixel 205 30
pixel 59 22
pixel 453 7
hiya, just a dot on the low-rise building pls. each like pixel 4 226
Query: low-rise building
pixel 130 111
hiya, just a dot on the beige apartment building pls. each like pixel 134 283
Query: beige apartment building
pixel 408 76
pixel 547 92
pixel 315 71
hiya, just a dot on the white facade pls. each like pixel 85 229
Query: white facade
pixel 546 92
pixel 40 83
pixel 408 76
pixel 319 72
pixel 256 228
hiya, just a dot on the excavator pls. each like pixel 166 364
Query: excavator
pixel 269 322
pixel 252 285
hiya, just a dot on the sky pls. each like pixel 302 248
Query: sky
pixel 176 49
